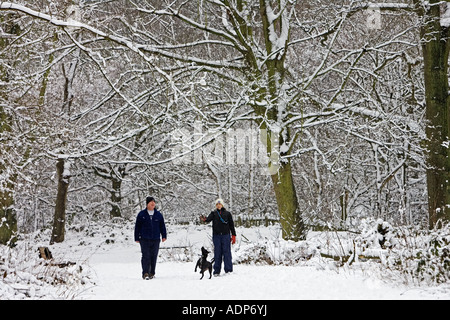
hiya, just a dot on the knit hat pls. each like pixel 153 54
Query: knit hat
pixel 220 201
pixel 149 199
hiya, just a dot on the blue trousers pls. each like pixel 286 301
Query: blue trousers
pixel 149 250
pixel 222 251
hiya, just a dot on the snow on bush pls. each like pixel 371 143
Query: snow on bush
pixel 26 276
pixel 274 252
pixel 417 255
pixel 379 234
pixel 422 255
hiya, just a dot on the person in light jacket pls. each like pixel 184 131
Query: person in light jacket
pixel 148 231
pixel 222 226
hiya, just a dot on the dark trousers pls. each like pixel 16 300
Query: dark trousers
pixel 222 249
pixel 149 250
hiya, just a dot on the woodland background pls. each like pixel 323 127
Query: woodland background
pixel 353 94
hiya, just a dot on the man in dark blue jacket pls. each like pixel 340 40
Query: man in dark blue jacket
pixel 147 231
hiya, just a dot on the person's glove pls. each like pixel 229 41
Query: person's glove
pixel 233 239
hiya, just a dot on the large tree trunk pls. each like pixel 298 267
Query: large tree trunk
pixel 59 220
pixel 276 31
pixel 290 218
pixel 280 171
pixel 8 220
pixel 435 53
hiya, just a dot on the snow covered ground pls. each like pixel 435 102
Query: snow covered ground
pixel 119 271
pixel 118 274
pixel 110 261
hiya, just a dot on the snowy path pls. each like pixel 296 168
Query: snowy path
pixel 118 272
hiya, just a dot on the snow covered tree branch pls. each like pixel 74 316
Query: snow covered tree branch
pixel 339 102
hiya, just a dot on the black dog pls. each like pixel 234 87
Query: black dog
pixel 204 264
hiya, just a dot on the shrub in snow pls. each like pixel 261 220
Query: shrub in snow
pixel 419 255
pixel 274 252
pixel 23 275
pixel 377 234
pixel 423 256
pixel 434 260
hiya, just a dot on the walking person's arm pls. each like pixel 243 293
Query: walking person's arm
pixel 163 230
pixel 232 229
pixel 137 229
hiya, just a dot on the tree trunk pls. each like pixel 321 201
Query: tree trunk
pixel 8 220
pixel 435 53
pixel 116 193
pixel 115 176
pixel 276 32
pixel 116 198
pixel 280 171
pixel 290 218
pixel 59 220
